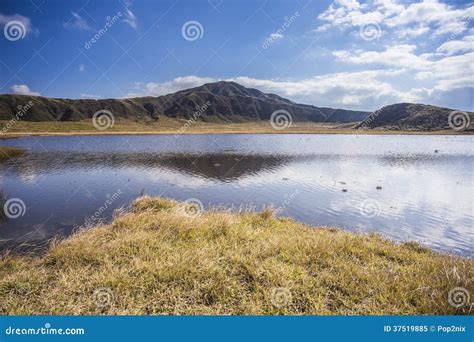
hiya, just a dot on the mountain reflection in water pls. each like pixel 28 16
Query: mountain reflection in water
pixel 418 187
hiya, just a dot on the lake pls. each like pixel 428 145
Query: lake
pixel 407 188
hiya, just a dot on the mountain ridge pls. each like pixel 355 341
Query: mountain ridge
pixel 222 101
pixel 228 100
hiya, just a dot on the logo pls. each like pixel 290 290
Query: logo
pixel 14 30
pixel 281 119
pixel 193 207
pixel 103 119
pixel 458 120
pixel 192 30
pixel 14 208
pixel 370 31
pixel 370 208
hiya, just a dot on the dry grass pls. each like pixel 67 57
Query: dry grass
pixel 9 152
pixel 172 126
pixel 158 260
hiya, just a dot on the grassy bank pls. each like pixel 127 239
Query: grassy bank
pixel 174 126
pixel 9 152
pixel 160 258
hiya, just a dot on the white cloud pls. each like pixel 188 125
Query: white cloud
pixel 448 72
pixel 82 67
pixel 23 89
pixel 401 56
pixel 408 20
pixel 130 18
pixel 76 22
pixel 91 96
pixel 158 89
pixel 464 44
pixel 363 90
pixel 413 32
pixel 275 36
pixel 323 28
pixel 5 19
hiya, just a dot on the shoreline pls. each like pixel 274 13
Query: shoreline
pixel 231 132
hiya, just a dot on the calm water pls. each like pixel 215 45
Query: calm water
pixel 426 182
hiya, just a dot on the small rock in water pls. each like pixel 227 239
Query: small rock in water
pixel 344 190
pixel 284 178
pixel 436 151
pixel 379 187
pixel 342 183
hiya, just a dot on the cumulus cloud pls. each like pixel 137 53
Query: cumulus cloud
pixel 76 22
pixel 410 19
pixel 158 89
pixel 448 72
pixel 452 47
pixel 402 56
pixel 23 89
pixel 363 90
pixel 25 21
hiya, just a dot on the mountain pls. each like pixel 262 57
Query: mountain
pixel 410 116
pixel 226 102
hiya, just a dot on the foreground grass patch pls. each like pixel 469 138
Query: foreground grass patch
pixel 162 259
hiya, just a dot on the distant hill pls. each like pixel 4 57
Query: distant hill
pixel 410 116
pixel 229 102
pixel 223 102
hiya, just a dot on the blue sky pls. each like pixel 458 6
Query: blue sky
pixel 338 53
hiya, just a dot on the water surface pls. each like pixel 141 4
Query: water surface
pixel 407 188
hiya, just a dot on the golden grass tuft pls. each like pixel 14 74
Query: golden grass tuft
pixel 157 259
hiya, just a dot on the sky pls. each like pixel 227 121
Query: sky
pixel 330 53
